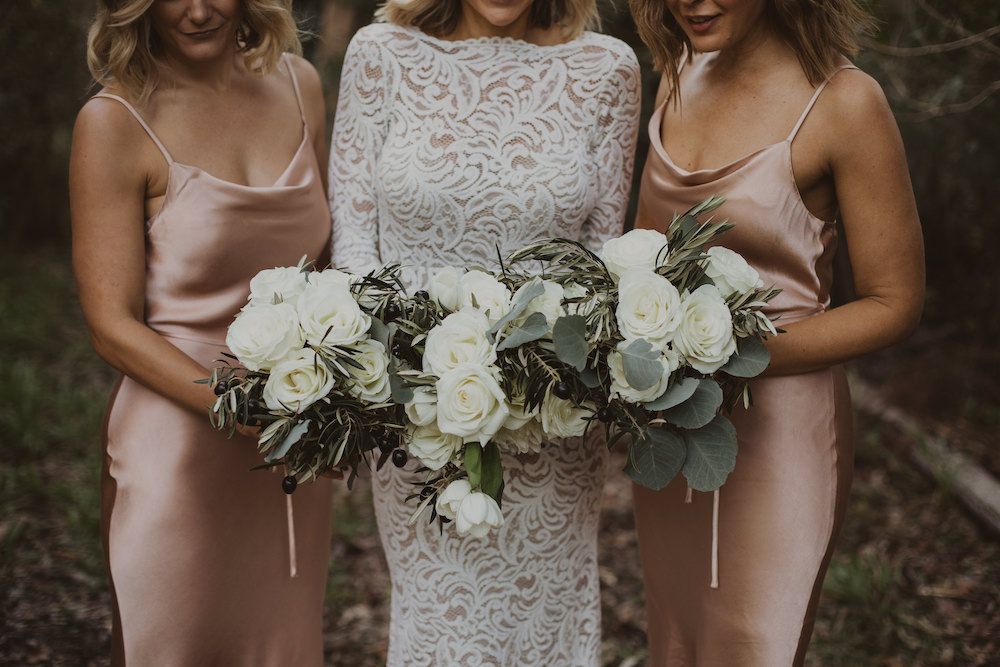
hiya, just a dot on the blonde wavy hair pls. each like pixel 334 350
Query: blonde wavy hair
pixel 440 17
pixel 820 32
pixel 122 49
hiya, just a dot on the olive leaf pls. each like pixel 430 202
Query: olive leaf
pixel 294 435
pixel 529 291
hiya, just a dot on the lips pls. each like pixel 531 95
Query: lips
pixel 701 23
pixel 202 34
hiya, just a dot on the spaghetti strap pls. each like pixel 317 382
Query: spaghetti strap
pixel 145 126
pixel 295 85
pixel 812 101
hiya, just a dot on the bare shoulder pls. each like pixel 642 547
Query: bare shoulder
pixel 109 132
pixel 311 88
pixel 306 74
pixel 854 109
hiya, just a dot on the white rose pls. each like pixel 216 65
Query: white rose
pixel 525 439
pixel 331 278
pixel 297 382
pixel 649 307
pixel 371 381
pixel 330 315
pixel 451 498
pixel 477 514
pixel 705 334
pixel 421 410
pixel 443 287
pixel 562 419
pixel 460 338
pixel 471 403
pixel 668 361
pixel 639 248
pixel 261 336
pixel 491 296
pixel 432 447
pixel 334 277
pixel 730 272
pixel 283 283
pixel 549 303
pixel 518 416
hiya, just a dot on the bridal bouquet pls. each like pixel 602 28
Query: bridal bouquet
pixel 313 370
pixel 672 336
pixel 651 339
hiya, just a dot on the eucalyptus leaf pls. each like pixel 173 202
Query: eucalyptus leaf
pixel 640 362
pixel 590 378
pixel 492 471
pixel 655 458
pixel 401 392
pixel 675 394
pixel 531 289
pixel 379 331
pixel 750 360
pixel 711 454
pixel 569 334
pixel 531 329
pixel 699 409
pixel 294 435
pixel 474 464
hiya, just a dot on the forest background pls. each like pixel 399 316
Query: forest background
pixel 916 578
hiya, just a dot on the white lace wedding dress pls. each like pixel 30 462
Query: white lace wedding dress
pixel 443 151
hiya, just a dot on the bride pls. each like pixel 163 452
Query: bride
pixel 464 126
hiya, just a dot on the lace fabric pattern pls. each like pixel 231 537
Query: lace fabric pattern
pixel 446 154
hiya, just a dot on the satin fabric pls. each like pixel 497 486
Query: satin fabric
pixel 198 545
pixel 781 508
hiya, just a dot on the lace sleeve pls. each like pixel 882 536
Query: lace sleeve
pixel 359 131
pixel 617 128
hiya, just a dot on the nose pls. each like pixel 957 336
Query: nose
pixel 199 11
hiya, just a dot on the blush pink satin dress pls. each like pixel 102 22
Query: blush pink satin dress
pixel 201 549
pixel 779 512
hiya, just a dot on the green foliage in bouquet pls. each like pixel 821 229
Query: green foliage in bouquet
pixel 681 429
pixel 309 370
pixel 575 338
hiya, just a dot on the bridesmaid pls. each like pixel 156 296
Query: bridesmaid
pixel 199 163
pixel 759 103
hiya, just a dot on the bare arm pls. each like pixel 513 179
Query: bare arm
pixel 110 164
pixel 882 229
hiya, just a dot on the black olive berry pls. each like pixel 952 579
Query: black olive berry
pixel 421 294
pixel 426 492
pixel 561 390
pixel 288 484
pixel 221 387
pixel 399 458
pixel 253 405
pixel 604 414
pixel 392 311
pixel 386 443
